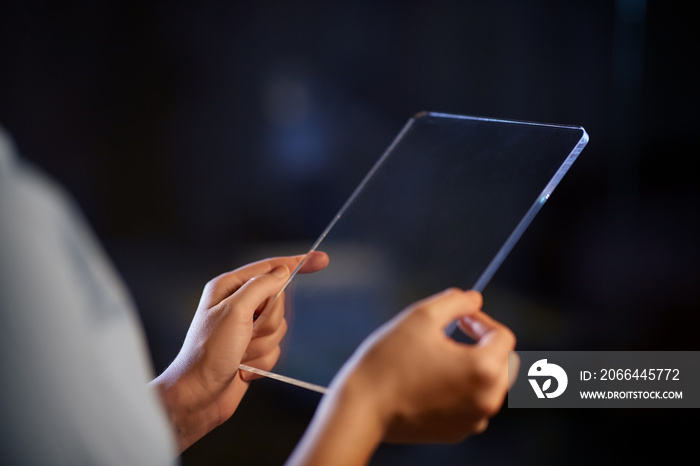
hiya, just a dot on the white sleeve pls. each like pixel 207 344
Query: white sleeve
pixel 73 362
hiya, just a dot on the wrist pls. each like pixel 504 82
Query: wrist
pixel 191 413
pixel 348 426
pixel 368 398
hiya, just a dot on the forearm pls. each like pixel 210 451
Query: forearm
pixel 346 430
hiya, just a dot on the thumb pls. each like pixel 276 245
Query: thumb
pixel 234 330
pixel 259 290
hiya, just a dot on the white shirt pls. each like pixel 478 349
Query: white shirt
pixel 73 362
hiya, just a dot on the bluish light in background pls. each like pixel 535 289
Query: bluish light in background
pixel 294 136
pixel 631 10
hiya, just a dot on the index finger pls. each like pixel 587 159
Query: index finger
pixel 310 262
pixel 228 283
pixel 313 262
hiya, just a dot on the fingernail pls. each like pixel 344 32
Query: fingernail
pixel 467 320
pixel 474 324
pixel 281 271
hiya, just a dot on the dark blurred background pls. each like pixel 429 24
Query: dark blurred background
pixel 199 135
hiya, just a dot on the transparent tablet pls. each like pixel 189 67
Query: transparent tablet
pixel 442 207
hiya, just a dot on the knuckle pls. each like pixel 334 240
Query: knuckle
pixel 211 285
pixel 480 426
pixel 421 310
pixel 487 407
pixel 487 370
pixel 475 297
pixel 235 312
pixel 267 361
pixel 259 283
pixel 510 336
pixel 454 292
pixel 284 326
pixel 430 305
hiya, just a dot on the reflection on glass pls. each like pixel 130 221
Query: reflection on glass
pixel 442 207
